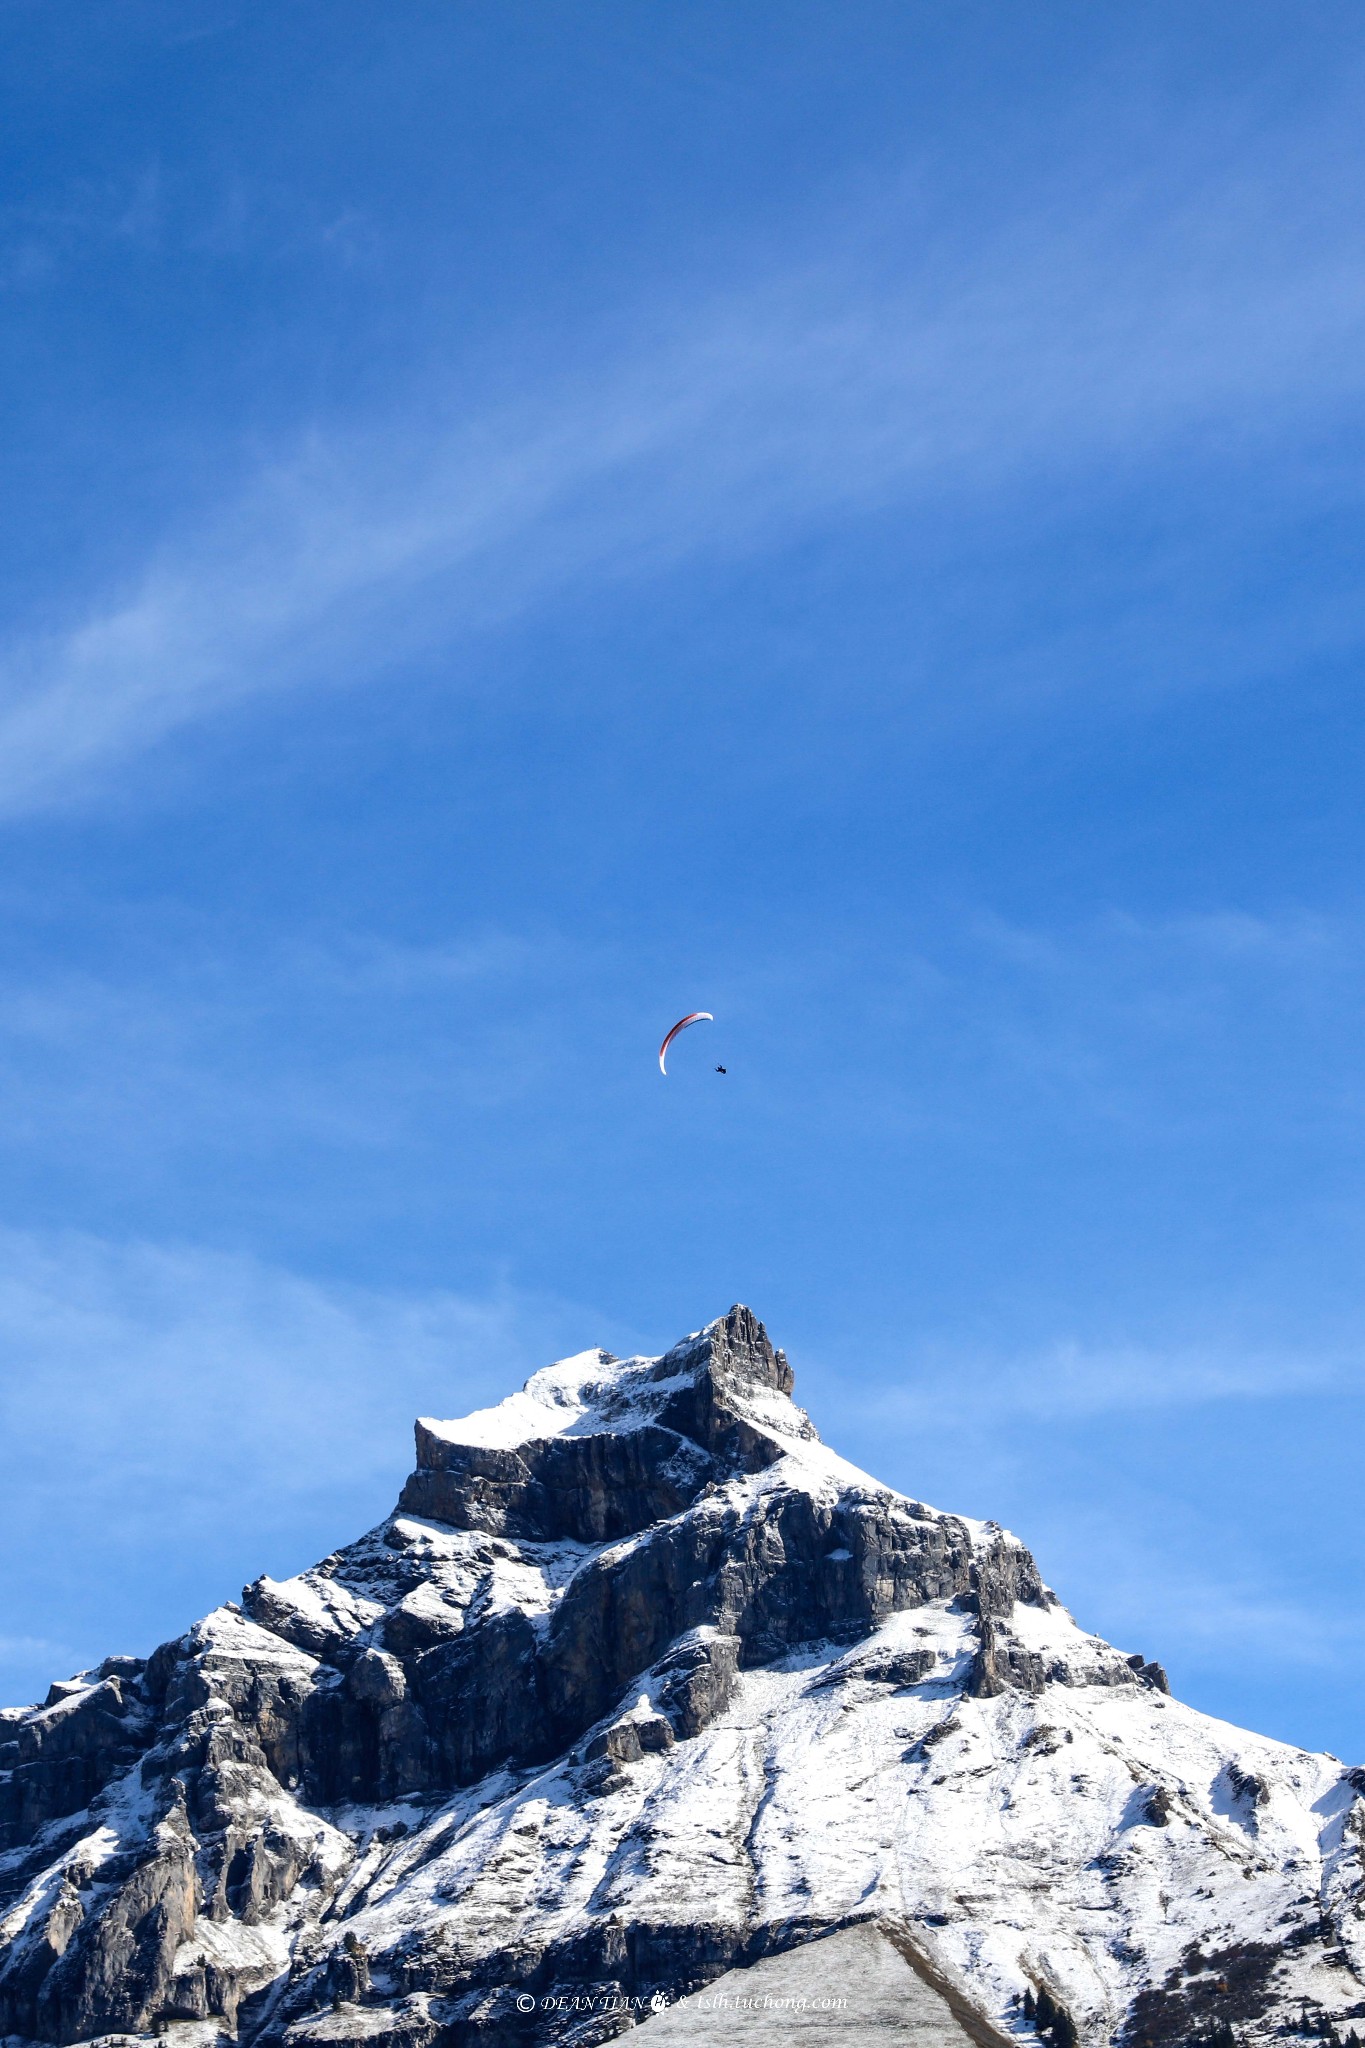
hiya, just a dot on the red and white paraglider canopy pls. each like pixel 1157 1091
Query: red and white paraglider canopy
pixel 692 1017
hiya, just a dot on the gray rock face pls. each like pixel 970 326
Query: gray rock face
pixel 55 1760
pixel 541 1731
pixel 855 1987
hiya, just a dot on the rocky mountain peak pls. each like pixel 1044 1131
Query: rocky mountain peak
pixel 640 1683
pixel 735 1347
pixel 599 1447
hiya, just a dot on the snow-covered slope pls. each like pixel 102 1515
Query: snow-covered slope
pixel 639 1683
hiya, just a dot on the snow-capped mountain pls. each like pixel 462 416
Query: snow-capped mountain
pixel 639 1683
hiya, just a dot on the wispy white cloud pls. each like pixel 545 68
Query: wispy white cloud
pixel 27 1649
pixel 1222 941
pixel 146 1376
pixel 904 370
pixel 1073 1381
pixel 1167 1025
pixel 1212 1618
pixel 1142 1586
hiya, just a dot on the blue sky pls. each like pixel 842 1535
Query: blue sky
pixel 520 522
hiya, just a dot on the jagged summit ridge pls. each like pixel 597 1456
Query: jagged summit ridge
pixel 640 1682
pixel 596 1447
pixel 595 1392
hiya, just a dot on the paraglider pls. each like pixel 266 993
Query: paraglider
pixel 693 1017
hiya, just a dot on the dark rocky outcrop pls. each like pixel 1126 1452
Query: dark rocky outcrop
pixel 1229 1985
pixel 54 1761
pixel 597 1488
pixel 587 1489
